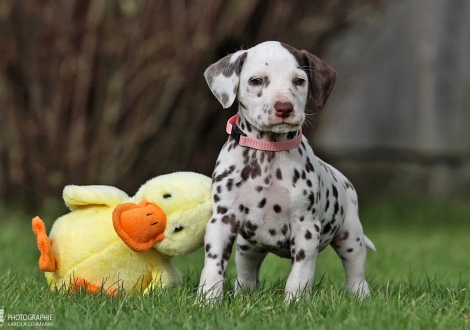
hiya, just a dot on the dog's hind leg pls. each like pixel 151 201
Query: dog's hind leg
pixel 350 244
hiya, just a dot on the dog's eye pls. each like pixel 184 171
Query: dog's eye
pixel 299 81
pixel 179 228
pixel 256 81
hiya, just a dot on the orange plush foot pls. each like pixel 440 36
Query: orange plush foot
pixel 80 283
pixel 47 262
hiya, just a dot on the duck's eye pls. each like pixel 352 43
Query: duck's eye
pixel 256 81
pixel 166 196
pixel 179 228
pixel 299 81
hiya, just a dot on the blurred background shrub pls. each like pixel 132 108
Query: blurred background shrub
pixel 112 92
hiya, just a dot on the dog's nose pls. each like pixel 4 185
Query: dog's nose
pixel 283 109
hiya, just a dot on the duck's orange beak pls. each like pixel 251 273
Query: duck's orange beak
pixel 139 226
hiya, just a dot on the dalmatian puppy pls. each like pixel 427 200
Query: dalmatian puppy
pixel 269 189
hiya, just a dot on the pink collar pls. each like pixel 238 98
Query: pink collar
pixel 245 141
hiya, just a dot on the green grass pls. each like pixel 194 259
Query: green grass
pixel 419 279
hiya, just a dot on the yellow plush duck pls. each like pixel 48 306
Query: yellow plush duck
pixel 110 240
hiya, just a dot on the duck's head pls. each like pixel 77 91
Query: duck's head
pixel 169 213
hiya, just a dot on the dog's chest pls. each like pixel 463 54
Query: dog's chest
pixel 263 198
pixel 265 211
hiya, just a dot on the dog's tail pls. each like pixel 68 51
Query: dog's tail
pixel 369 243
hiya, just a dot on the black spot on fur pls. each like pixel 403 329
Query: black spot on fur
pixel 317 228
pixel 232 221
pixel 277 208
pixel 227 252
pixel 271 155
pixel 249 231
pixel 284 229
pixel 261 158
pixel 208 247
pixel 350 250
pixel 229 184
pixel 326 229
pixel 216 198
pixel 224 98
pixel 336 208
pixel 221 210
pixel 259 189
pixel 224 174
pixel 308 235
pixel 243 247
pixel 248 126
pixel 252 170
pixel 300 255
pixel 262 203
pixel 250 226
pixel 283 245
pixel 335 192
pixel 311 199
pixel 309 167
pixel 279 174
pixel 226 67
pixel 272 232
pixel 296 177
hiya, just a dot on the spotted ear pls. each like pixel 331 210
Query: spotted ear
pixel 223 77
pixel 321 76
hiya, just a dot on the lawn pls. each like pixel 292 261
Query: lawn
pixel 419 277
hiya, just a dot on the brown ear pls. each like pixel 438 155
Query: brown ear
pixel 322 78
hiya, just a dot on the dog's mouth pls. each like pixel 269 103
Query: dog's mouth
pixel 282 127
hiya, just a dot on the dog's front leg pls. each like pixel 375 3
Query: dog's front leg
pixel 305 243
pixel 220 235
pixel 248 260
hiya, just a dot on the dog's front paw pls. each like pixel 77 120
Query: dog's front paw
pixel 209 296
pixel 360 288
pixel 291 298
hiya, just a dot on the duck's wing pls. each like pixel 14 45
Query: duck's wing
pixel 80 196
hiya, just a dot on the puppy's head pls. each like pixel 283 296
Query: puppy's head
pixel 272 81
